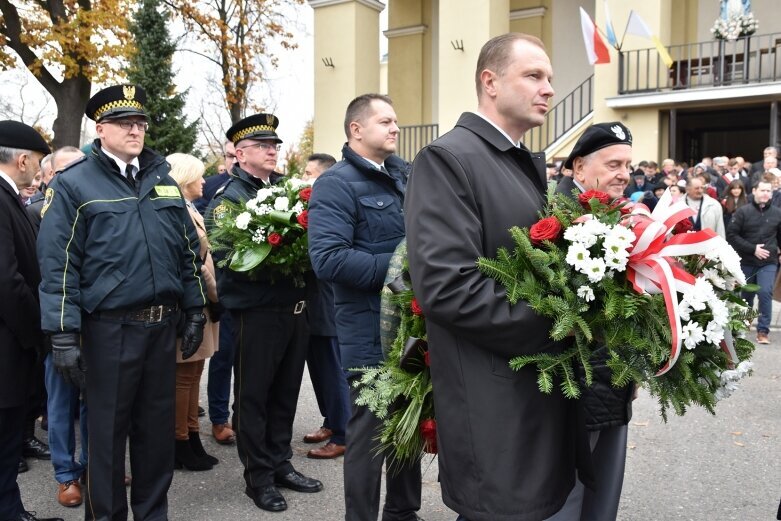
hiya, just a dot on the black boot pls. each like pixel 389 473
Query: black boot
pixel 185 457
pixel 195 443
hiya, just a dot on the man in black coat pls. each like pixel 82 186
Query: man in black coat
pixel 21 340
pixel 601 160
pixel 507 452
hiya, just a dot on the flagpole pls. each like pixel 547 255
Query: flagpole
pixel 625 29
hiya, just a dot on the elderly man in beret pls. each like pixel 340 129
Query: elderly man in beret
pixel 21 340
pixel 601 160
pixel 119 272
pixel 271 328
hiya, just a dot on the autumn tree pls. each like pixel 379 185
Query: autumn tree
pixel 237 36
pixel 151 68
pixel 67 45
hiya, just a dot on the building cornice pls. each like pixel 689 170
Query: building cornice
pixel 405 31
pixel 520 14
pixel 690 96
pixel 372 4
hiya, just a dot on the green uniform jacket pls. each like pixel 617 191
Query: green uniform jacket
pixel 240 290
pixel 104 245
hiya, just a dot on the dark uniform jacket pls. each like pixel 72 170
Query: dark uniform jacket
pixel 20 317
pixel 604 406
pixel 240 290
pixel 751 225
pixel 104 245
pixel 356 221
pixel 507 452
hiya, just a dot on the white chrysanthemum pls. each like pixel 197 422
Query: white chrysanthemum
pixel 684 310
pixel 594 269
pixel 714 333
pixel 281 203
pixel 720 312
pixel 622 235
pixel 263 194
pixel 574 233
pixel 617 261
pixel 700 294
pixel 586 293
pixel 692 334
pixel 242 220
pixel 596 228
pixel 297 183
pixel 298 207
pixel 577 255
pixel 712 275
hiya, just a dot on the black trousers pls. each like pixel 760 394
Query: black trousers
pixel 270 353
pixel 11 426
pixel 131 369
pixel 363 472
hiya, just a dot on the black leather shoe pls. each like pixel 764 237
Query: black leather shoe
pixel 35 448
pixel 30 516
pixel 267 498
pixel 298 482
pixel 201 412
pixel 23 467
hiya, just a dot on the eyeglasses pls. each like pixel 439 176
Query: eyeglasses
pixel 262 146
pixel 127 124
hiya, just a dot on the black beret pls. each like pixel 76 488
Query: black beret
pixel 596 137
pixel 14 134
pixel 257 126
pixel 117 101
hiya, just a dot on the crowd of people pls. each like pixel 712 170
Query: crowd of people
pixel 113 300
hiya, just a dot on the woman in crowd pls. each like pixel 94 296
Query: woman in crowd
pixel 187 171
pixel 735 198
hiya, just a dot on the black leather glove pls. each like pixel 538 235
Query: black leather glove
pixel 216 309
pixel 192 337
pixel 66 355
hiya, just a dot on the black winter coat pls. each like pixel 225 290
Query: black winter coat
pixel 507 452
pixel 751 225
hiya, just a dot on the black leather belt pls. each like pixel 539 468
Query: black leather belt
pixel 150 315
pixel 295 309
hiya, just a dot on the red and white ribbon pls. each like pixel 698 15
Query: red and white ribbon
pixel 652 268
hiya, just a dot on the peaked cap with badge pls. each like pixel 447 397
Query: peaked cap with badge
pixel 257 126
pixel 599 136
pixel 14 134
pixel 115 102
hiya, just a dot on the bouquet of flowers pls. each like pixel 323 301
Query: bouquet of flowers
pixel 665 304
pixel 735 27
pixel 269 230
pixel 399 391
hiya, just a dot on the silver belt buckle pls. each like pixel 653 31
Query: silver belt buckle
pixel 155 314
pixel 299 307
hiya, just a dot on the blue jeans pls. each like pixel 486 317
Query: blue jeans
pixel 330 384
pixel 63 401
pixel 765 277
pixel 218 388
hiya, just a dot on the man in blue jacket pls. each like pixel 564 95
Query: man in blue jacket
pixel 117 250
pixel 355 222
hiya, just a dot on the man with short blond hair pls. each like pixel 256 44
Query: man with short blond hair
pixel 507 452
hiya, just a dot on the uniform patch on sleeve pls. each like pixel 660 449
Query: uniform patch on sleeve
pixel 167 191
pixel 220 211
pixel 47 200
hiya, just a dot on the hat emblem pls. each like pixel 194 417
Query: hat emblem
pixel 129 91
pixel 619 132
pixel 270 119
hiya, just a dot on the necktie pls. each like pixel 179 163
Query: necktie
pixel 130 172
pixel 21 201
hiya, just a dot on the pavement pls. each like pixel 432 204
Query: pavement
pixel 694 467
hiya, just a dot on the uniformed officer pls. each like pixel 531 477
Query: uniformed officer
pixel 271 331
pixel 118 255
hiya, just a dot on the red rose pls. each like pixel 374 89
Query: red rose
pixel 426 359
pixel 545 229
pixel 303 219
pixel 274 239
pixel 428 430
pixel 305 194
pixel 415 307
pixel 683 226
pixel 585 197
